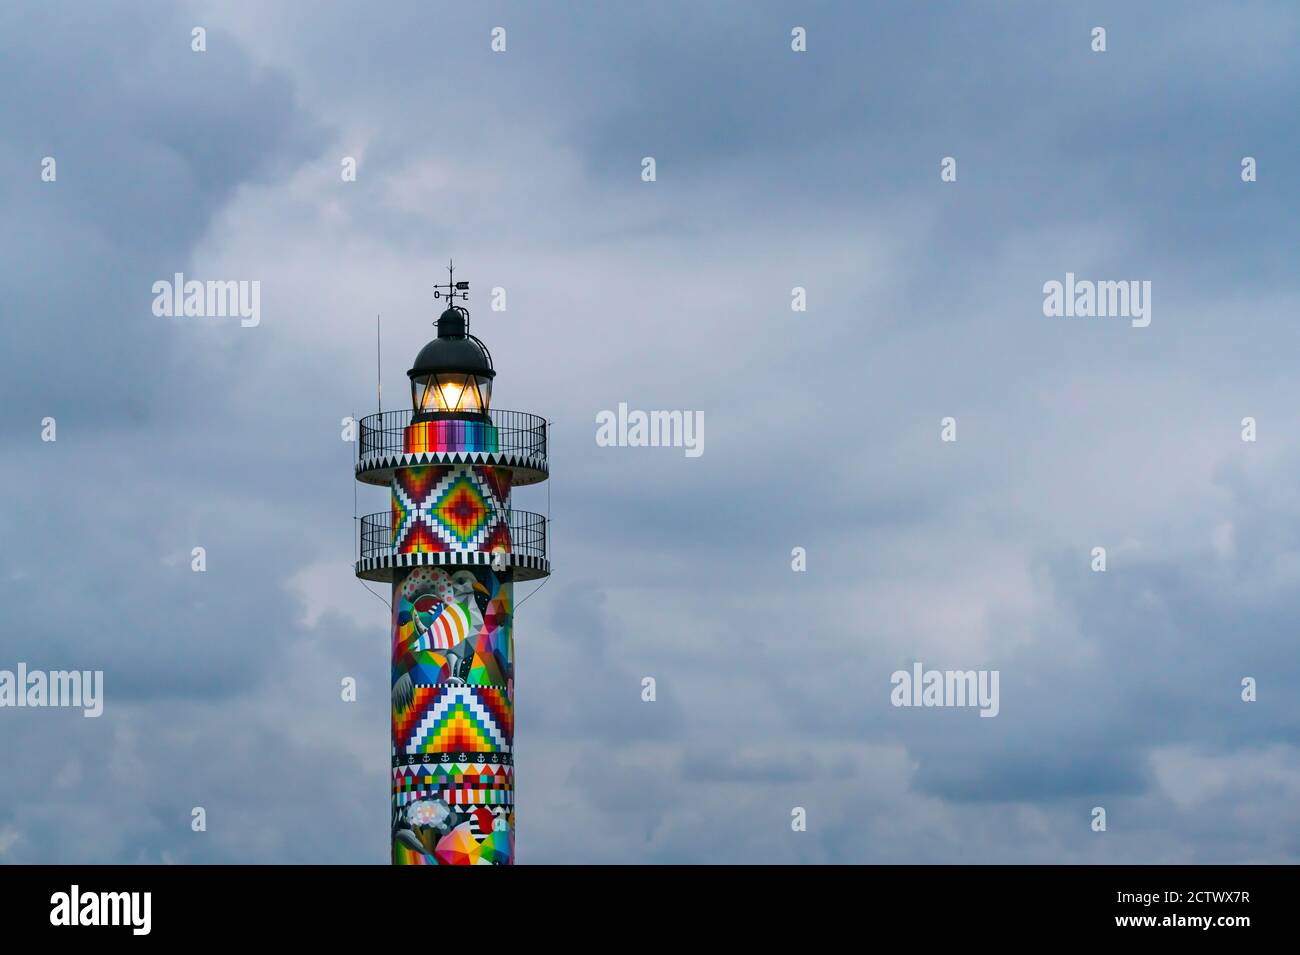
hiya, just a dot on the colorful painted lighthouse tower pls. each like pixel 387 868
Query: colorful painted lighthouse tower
pixel 452 548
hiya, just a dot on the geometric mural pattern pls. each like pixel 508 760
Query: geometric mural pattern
pixel 459 719
pixel 453 698
pixel 450 508
pixel 459 784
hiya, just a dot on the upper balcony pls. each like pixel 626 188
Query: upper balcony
pixel 506 439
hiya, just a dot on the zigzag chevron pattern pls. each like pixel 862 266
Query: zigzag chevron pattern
pixel 527 468
pixel 463 719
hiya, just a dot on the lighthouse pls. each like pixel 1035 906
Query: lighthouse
pixel 451 547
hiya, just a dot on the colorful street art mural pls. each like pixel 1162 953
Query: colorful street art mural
pixel 452 551
pixel 453 716
pixel 451 508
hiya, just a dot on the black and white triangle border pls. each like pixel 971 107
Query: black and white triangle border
pixel 531 467
pixel 384 566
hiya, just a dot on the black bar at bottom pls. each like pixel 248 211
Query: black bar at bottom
pixel 619 904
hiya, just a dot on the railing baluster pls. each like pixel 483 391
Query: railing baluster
pixel 527 534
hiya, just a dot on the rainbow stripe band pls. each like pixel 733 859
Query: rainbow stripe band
pixel 448 436
pixel 479 797
pixel 458 797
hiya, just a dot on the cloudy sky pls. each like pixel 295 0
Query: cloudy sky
pixel 775 169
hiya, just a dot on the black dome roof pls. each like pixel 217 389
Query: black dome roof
pixel 454 349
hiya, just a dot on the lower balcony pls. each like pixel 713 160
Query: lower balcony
pixel 524 549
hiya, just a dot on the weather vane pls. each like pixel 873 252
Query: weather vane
pixel 452 290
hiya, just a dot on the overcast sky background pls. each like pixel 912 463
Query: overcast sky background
pixel 775 170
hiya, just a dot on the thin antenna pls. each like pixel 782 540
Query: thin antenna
pixel 379 365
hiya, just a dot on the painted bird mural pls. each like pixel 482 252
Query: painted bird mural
pixel 437 627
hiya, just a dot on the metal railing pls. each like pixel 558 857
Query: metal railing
pixel 527 534
pixel 517 432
